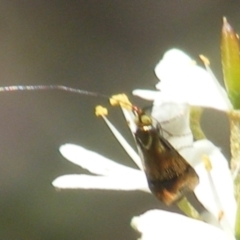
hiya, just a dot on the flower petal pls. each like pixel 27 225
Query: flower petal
pixel 93 161
pixel 221 177
pixel 120 183
pixel 146 94
pixel 174 120
pixel 182 81
pixel 159 224
pixel 220 88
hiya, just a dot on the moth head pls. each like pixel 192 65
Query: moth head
pixel 142 120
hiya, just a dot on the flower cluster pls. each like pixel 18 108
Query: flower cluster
pixel 184 89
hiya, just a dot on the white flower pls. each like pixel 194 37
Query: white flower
pixel 111 175
pixel 182 84
pixel 158 224
pixel 114 176
pixel 183 81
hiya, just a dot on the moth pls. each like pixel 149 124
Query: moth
pixel 168 174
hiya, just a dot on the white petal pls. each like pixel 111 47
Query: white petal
pixel 220 88
pixel 182 81
pixel 174 120
pixel 93 161
pixel 146 94
pixel 123 183
pixel 175 59
pixel 158 224
pixel 173 117
pixel 126 146
pixel 221 177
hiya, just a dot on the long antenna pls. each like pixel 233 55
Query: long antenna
pixel 50 87
pixel 66 89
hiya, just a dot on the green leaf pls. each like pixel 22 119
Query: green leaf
pixel 231 63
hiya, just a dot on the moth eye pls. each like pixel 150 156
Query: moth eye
pixel 146 120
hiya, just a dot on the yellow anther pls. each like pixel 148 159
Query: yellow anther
pixel 122 100
pixel 205 60
pixel 224 20
pixel 101 111
pixel 207 162
pixel 220 215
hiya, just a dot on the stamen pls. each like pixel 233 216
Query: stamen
pixel 208 167
pixel 221 216
pixel 206 63
pixel 207 163
pixel 205 60
pixel 122 100
pixel 101 111
pixel 130 151
pixel 129 116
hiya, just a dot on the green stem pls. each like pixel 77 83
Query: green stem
pixel 234 118
pixel 195 117
pixel 186 207
pixel 237 224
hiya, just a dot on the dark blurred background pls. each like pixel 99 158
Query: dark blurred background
pixel 104 46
